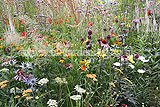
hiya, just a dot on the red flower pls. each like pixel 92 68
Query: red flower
pixel 50 20
pixel 149 12
pixel 22 21
pixel 23 34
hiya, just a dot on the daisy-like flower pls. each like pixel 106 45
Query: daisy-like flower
pixel 141 71
pixel 124 57
pixel 79 89
pixel 32 81
pixel 52 103
pixel 75 97
pixel 104 43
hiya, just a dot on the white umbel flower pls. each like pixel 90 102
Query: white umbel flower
pixel 52 103
pixel 75 97
pixel 79 89
pixel 141 71
pixel 142 58
pixel 4 70
pixel 116 64
pixel 43 81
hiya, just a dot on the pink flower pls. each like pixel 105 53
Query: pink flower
pixel 123 105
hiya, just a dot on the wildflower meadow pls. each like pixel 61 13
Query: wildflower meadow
pixel 79 53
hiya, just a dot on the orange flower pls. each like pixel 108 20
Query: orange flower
pixel 3 85
pixel 41 55
pixel 17 48
pixel 1 47
pixel 29 98
pixel 83 67
pixel 17 96
pixel 68 56
pixel 41 95
pixel 112 84
pixel 82 62
pixel 1 38
pixel 26 95
pixel 61 61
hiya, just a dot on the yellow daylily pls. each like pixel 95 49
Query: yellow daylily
pixel 131 59
pixel 101 53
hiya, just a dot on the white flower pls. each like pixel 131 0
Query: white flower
pixel 141 71
pixel 116 64
pixel 132 66
pixel 43 81
pixel 13 90
pixel 37 97
pixel 52 103
pixel 60 81
pixel 142 58
pixel 79 89
pixel 4 70
pixel 75 97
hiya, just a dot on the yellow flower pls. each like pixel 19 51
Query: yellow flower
pixel 119 70
pixel 94 79
pixel 1 47
pixel 59 53
pixel 128 80
pixel 101 53
pixel 17 96
pixel 115 51
pixel 41 55
pixel 131 59
pixel 29 98
pixel 61 61
pixel 112 84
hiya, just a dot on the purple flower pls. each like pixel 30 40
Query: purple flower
pixel 7 49
pixel 89 32
pixel 105 29
pixel 82 39
pixel 89 36
pixel 89 47
pixel 136 56
pixel 116 20
pixel 87 43
pixel 109 37
pixel 125 31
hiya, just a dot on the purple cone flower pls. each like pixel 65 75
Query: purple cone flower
pixel 89 36
pixel 89 32
pixel 87 43
pixel 109 37
pixel 7 49
pixel 82 39
pixel 116 20
pixel 136 56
